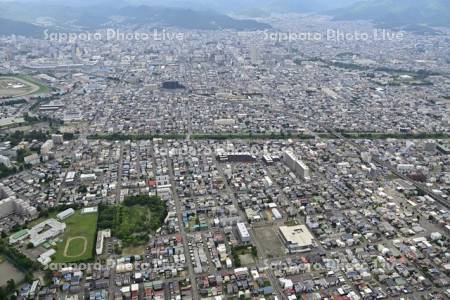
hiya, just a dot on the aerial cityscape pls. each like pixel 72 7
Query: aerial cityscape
pixel 155 150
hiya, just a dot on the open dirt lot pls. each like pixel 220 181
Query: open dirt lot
pixel 269 241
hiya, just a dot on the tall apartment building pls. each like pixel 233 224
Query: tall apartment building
pixel 296 165
pixel 10 204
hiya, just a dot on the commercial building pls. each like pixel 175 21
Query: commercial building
pixel 244 157
pixel 296 238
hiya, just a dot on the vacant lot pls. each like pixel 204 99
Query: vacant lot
pixel 269 241
pixel 79 238
pixel 8 271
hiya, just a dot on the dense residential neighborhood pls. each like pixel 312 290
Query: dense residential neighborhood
pixel 226 165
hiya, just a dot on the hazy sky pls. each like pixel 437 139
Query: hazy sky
pixel 212 4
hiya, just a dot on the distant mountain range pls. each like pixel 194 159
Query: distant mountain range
pixel 237 6
pixel 10 27
pixel 186 18
pixel 19 17
pixel 398 12
pixel 101 15
pixel 387 12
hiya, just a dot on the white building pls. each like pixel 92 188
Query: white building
pixel 101 236
pixel 267 182
pixel 70 177
pixel 45 258
pixel 244 235
pixel 10 204
pixel 44 231
pixel 405 167
pixel 65 214
pixel 87 177
pixel 89 210
pixel 5 161
pixel 13 205
pixel 47 147
pixel 32 159
pixel 276 214
pixel 296 238
pixel 224 122
pixel 297 166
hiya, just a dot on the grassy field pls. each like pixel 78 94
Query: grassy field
pixel 42 87
pixel 21 85
pixel 75 246
pixel 138 250
pixel 79 238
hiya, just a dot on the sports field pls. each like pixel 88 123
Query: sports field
pixel 18 86
pixel 79 238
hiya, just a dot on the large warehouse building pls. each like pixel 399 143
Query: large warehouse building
pixel 296 238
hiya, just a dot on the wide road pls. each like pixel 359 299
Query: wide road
pixel 195 294
pixel 119 174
